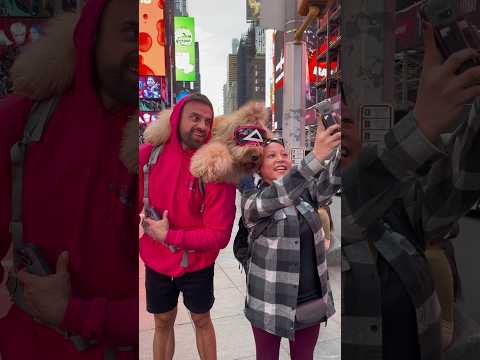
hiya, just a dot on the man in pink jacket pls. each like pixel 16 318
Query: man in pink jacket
pixel 197 223
pixel 79 198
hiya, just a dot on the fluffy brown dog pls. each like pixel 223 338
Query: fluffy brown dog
pixel 223 159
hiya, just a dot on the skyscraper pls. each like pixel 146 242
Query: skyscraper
pixel 181 8
pixel 259 40
pixel 230 88
pixel 235 45
pixel 232 69
pixel 251 67
pixel 197 87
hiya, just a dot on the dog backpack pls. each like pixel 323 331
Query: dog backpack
pixel 146 203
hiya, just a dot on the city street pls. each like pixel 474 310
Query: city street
pixel 233 331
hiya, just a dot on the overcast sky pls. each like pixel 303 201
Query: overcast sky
pixel 216 24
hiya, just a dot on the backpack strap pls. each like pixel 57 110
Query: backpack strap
pixel 152 160
pixel 39 115
pixel 146 203
pixel 201 187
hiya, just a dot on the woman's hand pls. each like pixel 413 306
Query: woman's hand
pixel 442 92
pixel 326 140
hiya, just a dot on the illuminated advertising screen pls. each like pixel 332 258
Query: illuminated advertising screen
pixel 15 32
pixel 19 31
pixel 27 8
pixel 253 10
pixel 145 118
pixel 318 70
pixel 152 87
pixel 279 62
pixel 408 28
pixel 150 105
pixel 151 42
pixel 185 59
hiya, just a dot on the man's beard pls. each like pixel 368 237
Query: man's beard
pixel 119 84
pixel 191 142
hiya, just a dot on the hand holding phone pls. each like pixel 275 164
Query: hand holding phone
pixel 325 111
pixel 443 92
pixel 154 225
pixel 326 141
pixel 453 32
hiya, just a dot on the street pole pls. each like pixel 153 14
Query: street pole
pixel 293 127
pixel 368 53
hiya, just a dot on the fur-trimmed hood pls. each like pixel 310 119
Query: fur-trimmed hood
pixel 60 62
pixel 46 67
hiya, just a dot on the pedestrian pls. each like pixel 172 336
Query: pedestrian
pixel 196 221
pixel 288 290
pixel 77 198
pixel 396 201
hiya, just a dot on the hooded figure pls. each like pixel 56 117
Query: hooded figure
pixel 180 248
pixel 78 195
pixel 173 188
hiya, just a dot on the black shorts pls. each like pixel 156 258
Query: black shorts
pixel 196 287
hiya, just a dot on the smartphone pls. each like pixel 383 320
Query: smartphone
pixel 453 32
pixel 325 108
pixel 328 120
pixel 150 213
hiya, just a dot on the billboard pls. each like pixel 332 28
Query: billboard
pixel 184 48
pixel 279 63
pixel 152 87
pixel 253 10
pixel 151 42
pixel 15 32
pixel 19 31
pixel 408 28
pixel 145 118
pixel 27 8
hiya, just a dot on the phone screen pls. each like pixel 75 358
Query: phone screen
pixel 453 32
pixel 328 120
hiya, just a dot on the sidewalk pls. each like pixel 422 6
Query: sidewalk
pixel 233 331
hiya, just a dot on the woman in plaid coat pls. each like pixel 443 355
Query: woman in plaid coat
pixel 287 270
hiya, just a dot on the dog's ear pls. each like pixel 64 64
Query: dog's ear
pixel 212 163
pixel 219 125
pixel 158 132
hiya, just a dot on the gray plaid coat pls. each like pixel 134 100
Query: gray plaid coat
pixel 273 273
pixel 437 185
